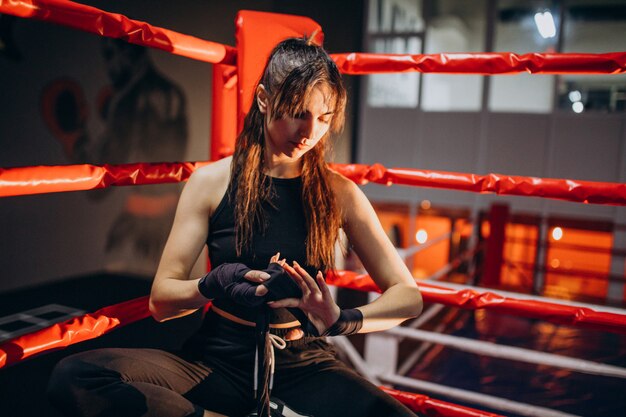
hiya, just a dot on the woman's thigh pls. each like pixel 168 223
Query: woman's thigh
pixel 140 381
pixel 335 391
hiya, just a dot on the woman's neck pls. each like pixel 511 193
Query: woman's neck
pixel 283 169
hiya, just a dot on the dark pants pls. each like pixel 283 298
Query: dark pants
pixel 148 382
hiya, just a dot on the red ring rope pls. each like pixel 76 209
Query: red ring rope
pixel 47 179
pixel 78 329
pixel 431 407
pixel 472 299
pixel 114 25
pixel 93 20
pixel 53 179
pixel 104 320
pixel 562 189
pixel 482 63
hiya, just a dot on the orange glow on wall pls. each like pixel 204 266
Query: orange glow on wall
pixel 578 250
pixel 432 259
pixel 485 229
pixel 519 249
pixel 396 223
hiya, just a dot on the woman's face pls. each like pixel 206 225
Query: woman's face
pixel 291 137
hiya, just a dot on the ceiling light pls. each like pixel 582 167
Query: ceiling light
pixel 545 24
pixel 575 96
pixel 578 107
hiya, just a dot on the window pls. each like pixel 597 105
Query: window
pixel 594 26
pixel 521 27
pixel 454 26
pixel 394 26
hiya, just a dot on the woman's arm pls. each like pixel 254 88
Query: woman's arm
pixel 173 293
pixel 400 298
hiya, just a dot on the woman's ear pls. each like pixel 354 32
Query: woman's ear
pixel 262 98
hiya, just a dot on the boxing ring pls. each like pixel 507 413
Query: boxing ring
pixel 235 72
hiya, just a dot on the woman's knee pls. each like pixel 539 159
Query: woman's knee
pixel 74 375
pixel 59 391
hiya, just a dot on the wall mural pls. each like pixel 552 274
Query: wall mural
pixel 145 120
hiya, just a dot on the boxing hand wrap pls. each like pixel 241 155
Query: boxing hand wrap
pixel 227 280
pixel 280 285
pixel 349 322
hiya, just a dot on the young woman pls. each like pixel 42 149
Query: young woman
pixel 270 216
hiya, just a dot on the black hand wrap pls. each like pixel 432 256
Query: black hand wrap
pixel 227 280
pixel 280 285
pixel 349 322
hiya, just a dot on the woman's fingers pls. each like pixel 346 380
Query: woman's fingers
pixel 285 302
pixel 321 283
pixel 275 258
pixel 298 278
pixel 256 276
pixel 260 290
pixel 310 283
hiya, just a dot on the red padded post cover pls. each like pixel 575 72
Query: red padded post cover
pixel 257 33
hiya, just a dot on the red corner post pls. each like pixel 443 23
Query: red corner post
pixel 257 34
pixel 224 114
pixel 498 219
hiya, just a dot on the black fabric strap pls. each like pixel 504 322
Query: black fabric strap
pixel 349 322
pixel 264 357
pixel 280 285
pixel 227 280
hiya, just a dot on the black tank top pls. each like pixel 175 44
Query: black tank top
pixel 285 232
pixel 219 340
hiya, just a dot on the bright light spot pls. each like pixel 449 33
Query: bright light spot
pixel 545 25
pixel 425 204
pixel 485 229
pixel 575 96
pixel 421 236
pixel 557 233
pixel 555 263
pixel 578 107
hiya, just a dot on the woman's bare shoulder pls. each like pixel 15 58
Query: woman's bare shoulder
pixel 209 183
pixel 344 188
pixel 352 201
pixel 214 172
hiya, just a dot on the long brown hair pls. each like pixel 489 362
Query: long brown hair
pixel 294 69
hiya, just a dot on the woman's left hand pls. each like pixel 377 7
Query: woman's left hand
pixel 316 302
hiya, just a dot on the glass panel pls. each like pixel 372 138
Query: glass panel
pixel 394 90
pixel 578 264
pixel 524 26
pixel 454 27
pixel 519 257
pixel 432 259
pixel 594 26
pixel 395 16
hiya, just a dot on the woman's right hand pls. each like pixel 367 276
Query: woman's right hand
pixel 259 277
pixel 316 302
